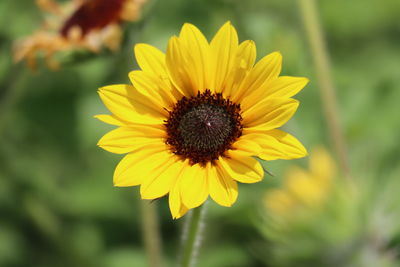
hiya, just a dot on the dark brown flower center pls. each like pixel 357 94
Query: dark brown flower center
pixel 203 127
pixel 94 14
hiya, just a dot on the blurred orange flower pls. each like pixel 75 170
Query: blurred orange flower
pixel 77 24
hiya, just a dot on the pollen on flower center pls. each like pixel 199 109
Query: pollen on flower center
pixel 203 127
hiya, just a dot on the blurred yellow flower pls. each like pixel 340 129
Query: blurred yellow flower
pixel 303 189
pixel 196 115
pixel 77 24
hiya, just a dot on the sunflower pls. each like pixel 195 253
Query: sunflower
pixel 303 190
pixel 196 117
pixel 77 24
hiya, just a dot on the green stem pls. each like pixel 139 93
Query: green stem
pixel 323 69
pixel 151 234
pixel 192 234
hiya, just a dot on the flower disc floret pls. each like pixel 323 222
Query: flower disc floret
pixel 203 127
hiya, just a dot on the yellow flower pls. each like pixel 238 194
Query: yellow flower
pixel 195 116
pixel 303 189
pixel 77 24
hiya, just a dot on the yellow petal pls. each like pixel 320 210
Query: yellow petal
pixel 160 180
pixel 193 186
pixel 154 88
pixel 285 86
pixel 197 54
pixel 178 69
pixel 223 189
pixel 126 139
pixel 125 102
pixel 275 144
pixel 270 148
pixel 292 147
pixel 150 59
pixel 136 166
pixel 223 50
pixel 111 119
pixel 244 61
pixel 247 146
pixel 174 199
pixel 266 69
pixel 241 167
pixel 270 113
pixel 187 61
pixel 182 211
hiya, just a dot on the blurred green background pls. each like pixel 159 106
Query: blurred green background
pixel 57 203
